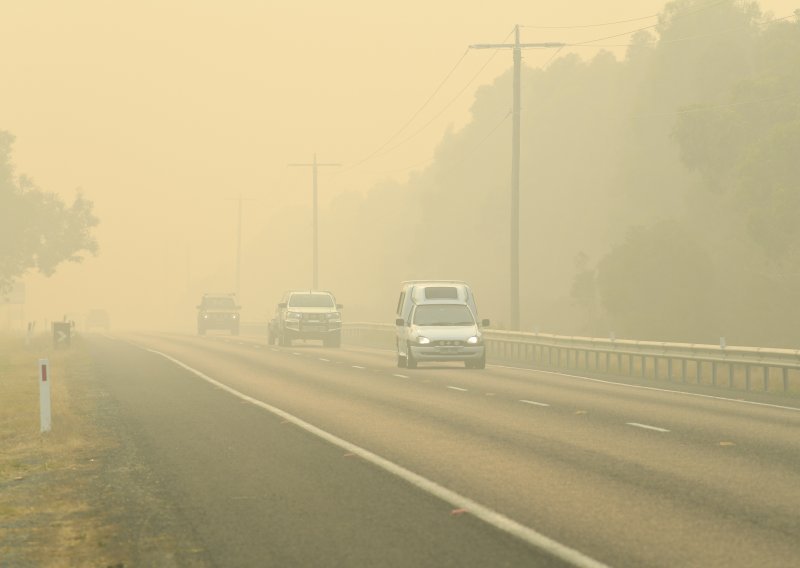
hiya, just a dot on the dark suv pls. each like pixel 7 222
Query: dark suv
pixel 218 311
pixel 307 314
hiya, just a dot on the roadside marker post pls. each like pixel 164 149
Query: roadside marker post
pixel 44 395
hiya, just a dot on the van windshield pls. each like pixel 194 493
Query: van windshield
pixel 311 301
pixel 443 314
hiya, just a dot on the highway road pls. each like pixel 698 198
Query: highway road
pixel 307 456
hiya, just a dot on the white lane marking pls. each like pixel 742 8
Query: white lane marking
pixel 298 354
pixel 273 348
pixel 401 376
pixel 796 409
pixel 357 367
pixel 487 515
pixel 647 427
pixel 457 389
pixel 324 360
pixel 533 402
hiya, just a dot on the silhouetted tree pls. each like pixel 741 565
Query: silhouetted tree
pixel 37 229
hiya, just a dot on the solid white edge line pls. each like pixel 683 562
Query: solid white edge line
pixel 457 389
pixel 647 427
pixel 457 500
pixel 533 402
pixel 643 387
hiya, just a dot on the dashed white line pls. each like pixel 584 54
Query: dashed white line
pixel 533 402
pixel 298 354
pixel 647 427
pixel 401 376
pixel 457 389
pixel 358 367
pixel 642 387
pixel 324 360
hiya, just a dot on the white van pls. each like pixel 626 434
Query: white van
pixel 437 320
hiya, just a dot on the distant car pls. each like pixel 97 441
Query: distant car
pixel 307 314
pixel 97 320
pixel 218 311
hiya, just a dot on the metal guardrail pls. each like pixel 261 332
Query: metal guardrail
pixel 743 368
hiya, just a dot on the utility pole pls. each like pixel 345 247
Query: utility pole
pixel 517 48
pixel 314 165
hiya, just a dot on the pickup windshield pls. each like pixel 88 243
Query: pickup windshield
pixel 443 314
pixel 311 301
pixel 224 303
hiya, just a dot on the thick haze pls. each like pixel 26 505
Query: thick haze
pixel 164 113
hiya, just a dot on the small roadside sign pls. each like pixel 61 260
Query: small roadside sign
pixel 62 334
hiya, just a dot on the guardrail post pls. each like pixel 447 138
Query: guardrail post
pixel 714 373
pixel 785 373
pixel 747 377
pixel 766 378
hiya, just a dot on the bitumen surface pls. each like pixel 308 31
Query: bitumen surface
pixel 592 471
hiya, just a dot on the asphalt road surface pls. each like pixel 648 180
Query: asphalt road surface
pixel 306 456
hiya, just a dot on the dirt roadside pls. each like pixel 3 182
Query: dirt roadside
pixel 78 495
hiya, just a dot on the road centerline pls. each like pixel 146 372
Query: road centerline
pixel 533 402
pixel 646 427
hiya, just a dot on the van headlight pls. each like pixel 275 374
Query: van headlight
pixel 422 340
pixel 475 340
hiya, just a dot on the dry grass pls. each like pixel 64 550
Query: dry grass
pixel 45 515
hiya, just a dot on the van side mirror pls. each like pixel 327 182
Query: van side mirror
pixel 485 323
pixel 400 322
pixel 282 305
pixel 339 307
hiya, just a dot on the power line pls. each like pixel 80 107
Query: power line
pixel 688 38
pixel 449 104
pixel 382 150
pixel 604 24
pixel 457 161
pixel 413 116
pixel 680 15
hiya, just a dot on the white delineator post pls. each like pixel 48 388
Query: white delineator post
pixel 44 395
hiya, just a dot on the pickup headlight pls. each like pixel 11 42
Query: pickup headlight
pixel 422 340
pixel 475 340
pixel 293 315
pixel 334 316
